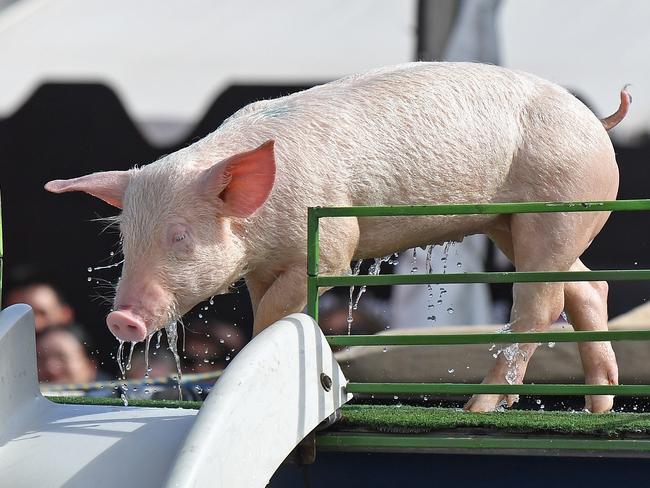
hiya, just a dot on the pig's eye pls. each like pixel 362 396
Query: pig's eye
pixel 180 241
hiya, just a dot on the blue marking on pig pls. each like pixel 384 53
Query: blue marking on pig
pixel 277 111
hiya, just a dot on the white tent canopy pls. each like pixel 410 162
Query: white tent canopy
pixel 168 60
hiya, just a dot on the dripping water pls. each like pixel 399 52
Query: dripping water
pixel 172 341
pixel 374 270
pixel 355 272
pixel 128 363
pixel 147 369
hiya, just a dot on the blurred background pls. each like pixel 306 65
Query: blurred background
pixel 88 86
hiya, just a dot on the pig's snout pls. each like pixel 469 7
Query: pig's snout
pixel 126 326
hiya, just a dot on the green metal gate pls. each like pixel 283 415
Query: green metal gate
pixel 316 281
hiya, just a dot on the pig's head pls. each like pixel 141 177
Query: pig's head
pixel 181 225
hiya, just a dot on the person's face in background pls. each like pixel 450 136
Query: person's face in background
pixel 62 359
pixel 48 309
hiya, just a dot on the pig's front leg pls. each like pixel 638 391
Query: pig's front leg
pixel 287 294
pixel 536 306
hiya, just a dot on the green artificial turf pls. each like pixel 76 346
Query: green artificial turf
pixel 116 402
pixel 417 420
pixel 402 419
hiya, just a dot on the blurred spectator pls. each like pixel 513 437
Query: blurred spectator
pixel 211 346
pixel 47 301
pixel 62 357
pixel 161 364
pixel 366 319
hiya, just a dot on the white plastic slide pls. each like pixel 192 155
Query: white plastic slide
pixel 273 394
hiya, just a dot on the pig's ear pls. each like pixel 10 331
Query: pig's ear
pixel 107 185
pixel 242 182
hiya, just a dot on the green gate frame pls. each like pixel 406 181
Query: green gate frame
pixel 315 281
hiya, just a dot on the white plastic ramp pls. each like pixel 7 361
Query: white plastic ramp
pixel 270 397
pixel 278 389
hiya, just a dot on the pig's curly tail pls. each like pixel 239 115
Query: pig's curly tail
pixel 616 117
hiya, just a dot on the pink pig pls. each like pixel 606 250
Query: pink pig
pixel 234 204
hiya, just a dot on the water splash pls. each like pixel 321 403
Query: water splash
pixel 429 269
pixel 414 260
pixel 510 354
pixel 355 272
pixel 128 363
pixel 120 354
pixel 147 368
pixel 97 268
pixel 374 270
pixel 171 330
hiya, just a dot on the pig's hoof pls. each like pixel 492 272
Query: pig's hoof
pixel 599 403
pixel 490 403
pixel 484 403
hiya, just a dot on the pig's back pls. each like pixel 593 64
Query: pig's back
pixel 374 137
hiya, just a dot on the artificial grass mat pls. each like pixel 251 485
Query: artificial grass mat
pixel 403 419
pixel 117 402
pixel 398 419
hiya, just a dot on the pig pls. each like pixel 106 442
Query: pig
pixel 234 204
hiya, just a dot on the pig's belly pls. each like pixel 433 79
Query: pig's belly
pixel 381 236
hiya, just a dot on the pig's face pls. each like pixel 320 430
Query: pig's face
pixel 180 227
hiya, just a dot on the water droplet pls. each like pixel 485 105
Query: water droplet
pixel 459 264
pixel 200 315
pixel 90 269
pixel 125 400
pixel 128 363
pixel 120 351
pixel 450 310
pixel 198 389
pixel 211 302
pixel 384 349
pixel 551 345
pixel 538 401
pixel 89 279
pixel 172 339
pixel 450 370
pixel 221 341
pixel 227 358
pixel 111 254
pixel 395 397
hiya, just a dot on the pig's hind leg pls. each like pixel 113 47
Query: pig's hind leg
pixel 539 243
pixel 586 307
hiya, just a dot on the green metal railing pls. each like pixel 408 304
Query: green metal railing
pixel 316 281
